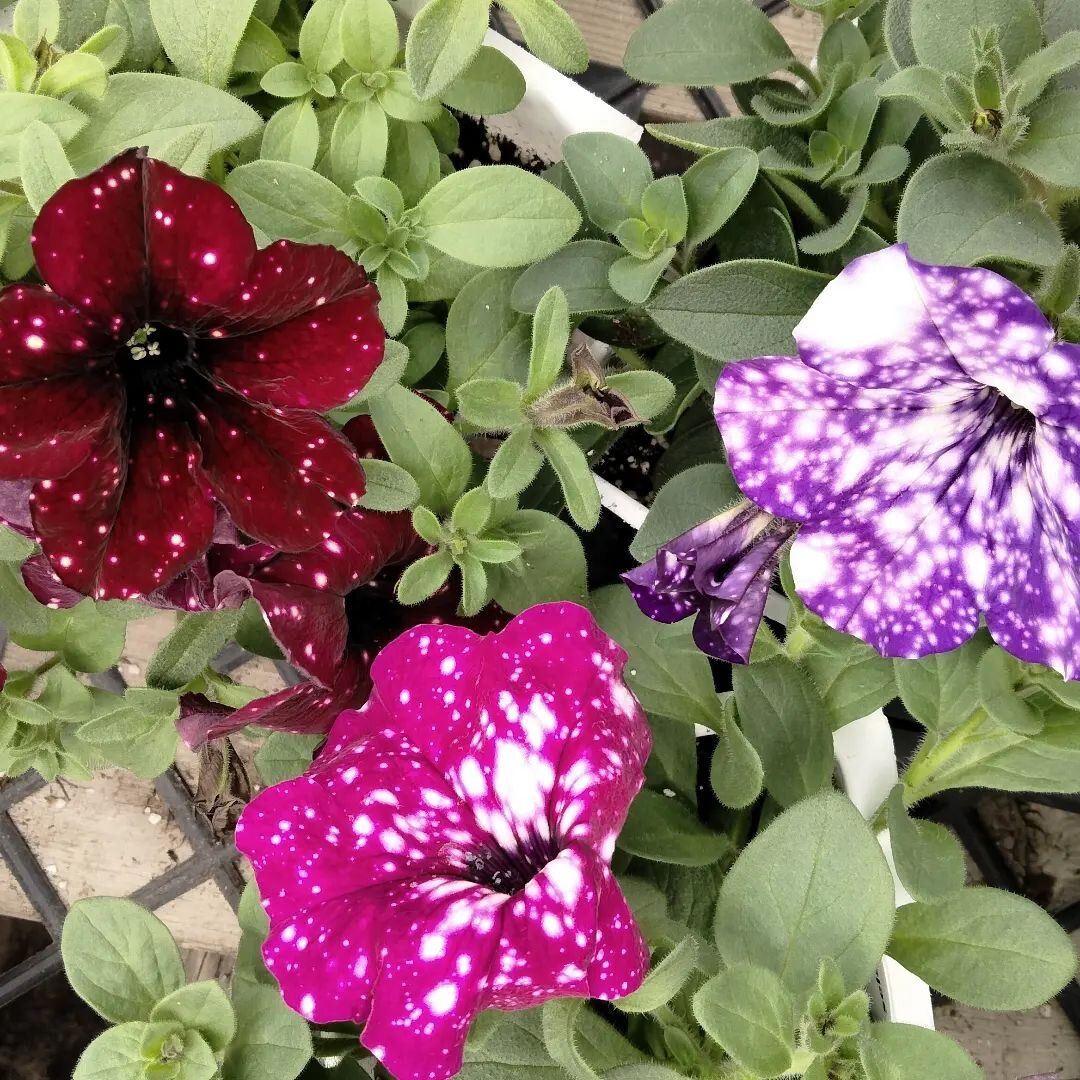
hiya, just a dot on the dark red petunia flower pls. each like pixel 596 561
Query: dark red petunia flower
pixel 171 366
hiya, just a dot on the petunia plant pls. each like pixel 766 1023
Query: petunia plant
pixel 594 508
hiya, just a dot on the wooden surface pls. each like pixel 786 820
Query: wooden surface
pixel 111 835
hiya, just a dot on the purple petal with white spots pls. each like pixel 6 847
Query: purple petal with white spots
pixel 931 450
pixel 448 850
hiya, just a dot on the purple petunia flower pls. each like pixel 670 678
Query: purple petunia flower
pixel 927 440
pixel 449 850
pixel 721 570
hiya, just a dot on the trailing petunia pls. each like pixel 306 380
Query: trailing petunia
pixel 449 850
pixel 171 366
pixel 719 570
pixel 928 441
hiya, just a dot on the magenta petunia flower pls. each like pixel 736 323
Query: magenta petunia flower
pixel 719 570
pixel 171 364
pixel 449 850
pixel 928 438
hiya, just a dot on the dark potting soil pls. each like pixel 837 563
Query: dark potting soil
pixel 43 1032
pixel 478 146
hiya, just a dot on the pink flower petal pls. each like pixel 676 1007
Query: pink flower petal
pixel 284 479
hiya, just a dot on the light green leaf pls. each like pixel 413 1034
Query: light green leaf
pixel 260 49
pixel 837 235
pixel 284 756
pixel 146 109
pixel 575 477
pixel 497 216
pixel 321 47
pixel 37 21
pixel 369 35
pixel 120 959
pixel 553 563
pixel 1052 143
pixel 906 1052
pixel 748 1011
pixel 581 270
pixel 288 202
pixel 43 165
pixel 666 830
pixel 389 487
pixel 292 134
pixel 22 612
pixel 359 141
pixel 999 676
pixel 201 1007
pixel 515 465
pixel 72 73
pixel 550 337
pixel 941 690
pixel 116 1054
pixel 18 68
pixel 928 858
pixel 611 173
pixel 705 43
pixel 491 84
pixel 648 392
pixel 443 39
pixel 491 404
pixel 271 1040
pixel 201 36
pixel 550 33
pixel 1034 72
pixel 190 151
pixel 412 160
pixel 668 674
pixel 133 17
pixel 400 102
pixel 735 774
pixel 706 310
pixel 715 188
pixel 985 947
pixel 941 33
pixel 784 718
pixel 287 80
pixel 485 336
pixel 813 884
pixel 664 980
pixel 419 440
pixel 964 209
pixel 188 649
pixel 634 279
pixel 423 578
pixel 924 86
pixel 22 110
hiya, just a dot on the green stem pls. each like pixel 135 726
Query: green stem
pixel 46 665
pixel 797 67
pixel 805 204
pixel 878 218
pixel 932 756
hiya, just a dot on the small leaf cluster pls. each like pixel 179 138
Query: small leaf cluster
pixel 122 961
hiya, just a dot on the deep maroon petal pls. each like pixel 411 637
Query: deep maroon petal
pixel 283 479
pixel 139 240
pixel 314 338
pixel 40 578
pixel 362 543
pixel 198 243
pixel 308 624
pixel 304 709
pixel 49 427
pixel 124 523
pixel 90 244
pixel 42 336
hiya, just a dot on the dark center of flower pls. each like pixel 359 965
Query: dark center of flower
pixel 156 363
pixel 504 871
